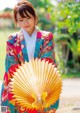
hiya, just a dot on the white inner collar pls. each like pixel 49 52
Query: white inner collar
pixel 30 42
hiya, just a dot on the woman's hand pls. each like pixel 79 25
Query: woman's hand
pixel 51 111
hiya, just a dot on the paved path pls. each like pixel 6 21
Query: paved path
pixel 71 88
pixel 70 97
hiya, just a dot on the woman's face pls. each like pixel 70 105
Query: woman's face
pixel 27 23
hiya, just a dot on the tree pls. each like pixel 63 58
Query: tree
pixel 68 19
pixel 68 16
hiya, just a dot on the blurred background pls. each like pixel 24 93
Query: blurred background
pixel 62 18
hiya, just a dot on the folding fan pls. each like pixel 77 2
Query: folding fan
pixel 36 84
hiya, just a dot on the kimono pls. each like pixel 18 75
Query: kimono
pixel 16 53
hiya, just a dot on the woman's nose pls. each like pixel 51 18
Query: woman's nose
pixel 26 21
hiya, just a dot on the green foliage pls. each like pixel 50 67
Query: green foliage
pixel 41 3
pixel 74 47
pixel 61 37
pixel 68 15
pixel 7 9
pixel 44 9
pixel 71 75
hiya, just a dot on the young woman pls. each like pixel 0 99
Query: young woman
pixel 28 43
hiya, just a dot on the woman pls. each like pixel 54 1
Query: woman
pixel 28 43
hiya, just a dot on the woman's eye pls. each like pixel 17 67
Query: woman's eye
pixel 28 17
pixel 20 20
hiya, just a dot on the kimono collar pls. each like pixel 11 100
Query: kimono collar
pixel 30 42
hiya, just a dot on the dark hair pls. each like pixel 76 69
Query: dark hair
pixel 22 8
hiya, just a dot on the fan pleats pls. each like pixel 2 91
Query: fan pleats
pixel 36 84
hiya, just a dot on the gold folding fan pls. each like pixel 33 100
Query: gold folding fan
pixel 36 84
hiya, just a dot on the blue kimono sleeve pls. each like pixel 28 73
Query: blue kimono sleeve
pixel 49 53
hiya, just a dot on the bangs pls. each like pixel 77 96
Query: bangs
pixel 23 11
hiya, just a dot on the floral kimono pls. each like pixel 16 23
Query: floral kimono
pixel 17 53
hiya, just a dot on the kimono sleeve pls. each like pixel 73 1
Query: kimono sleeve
pixel 47 50
pixel 49 55
pixel 11 56
pixel 10 61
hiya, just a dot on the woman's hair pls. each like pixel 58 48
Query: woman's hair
pixel 22 8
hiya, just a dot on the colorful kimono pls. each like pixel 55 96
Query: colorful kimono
pixel 17 53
